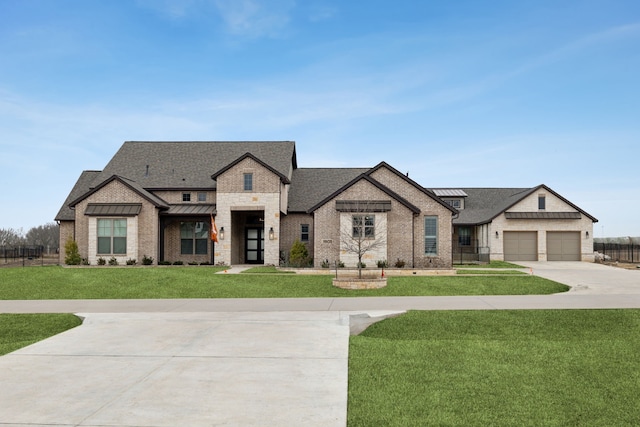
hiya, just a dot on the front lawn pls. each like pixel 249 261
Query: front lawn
pixel 202 282
pixel 21 330
pixel 498 368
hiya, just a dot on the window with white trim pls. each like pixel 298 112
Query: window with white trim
pixel 112 236
pixel 194 238
pixel 431 235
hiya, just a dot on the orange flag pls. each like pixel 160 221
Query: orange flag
pixel 214 230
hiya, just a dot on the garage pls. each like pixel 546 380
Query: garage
pixel 563 246
pixel 520 245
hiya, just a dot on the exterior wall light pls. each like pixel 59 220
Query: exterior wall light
pixel 587 234
pixel 221 233
pixel 272 234
pixel 496 234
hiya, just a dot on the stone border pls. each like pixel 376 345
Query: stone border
pixel 356 284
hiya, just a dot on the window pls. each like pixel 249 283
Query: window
pixel 186 197
pixel 248 182
pixel 431 235
pixel 541 202
pixel 364 226
pixel 202 197
pixel 304 232
pixel 464 236
pixel 194 238
pixel 454 203
pixel 112 236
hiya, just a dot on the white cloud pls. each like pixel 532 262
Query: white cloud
pixel 255 18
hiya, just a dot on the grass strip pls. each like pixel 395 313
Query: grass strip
pixel 498 368
pixel 33 283
pixel 21 330
pixel 489 271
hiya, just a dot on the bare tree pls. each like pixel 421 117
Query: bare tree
pixel 47 235
pixel 11 237
pixel 362 234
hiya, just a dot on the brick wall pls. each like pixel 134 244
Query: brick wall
pixel 290 231
pixel 428 207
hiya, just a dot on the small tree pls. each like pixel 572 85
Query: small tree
pixel 72 256
pixel 298 255
pixel 361 234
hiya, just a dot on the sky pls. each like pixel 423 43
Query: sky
pixel 458 93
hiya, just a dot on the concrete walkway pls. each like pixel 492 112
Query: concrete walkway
pixel 205 362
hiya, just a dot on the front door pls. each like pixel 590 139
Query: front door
pixel 254 244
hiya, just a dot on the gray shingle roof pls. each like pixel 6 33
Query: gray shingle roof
pixel 482 205
pixel 184 165
pixel 82 186
pixel 311 185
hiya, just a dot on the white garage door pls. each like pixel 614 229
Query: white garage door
pixel 563 246
pixel 520 245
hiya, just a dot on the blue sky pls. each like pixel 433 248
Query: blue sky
pixel 457 93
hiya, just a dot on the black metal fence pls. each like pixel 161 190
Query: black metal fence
pixel 618 251
pixel 470 253
pixel 15 253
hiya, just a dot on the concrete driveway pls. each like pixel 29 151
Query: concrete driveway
pixel 588 278
pixel 183 369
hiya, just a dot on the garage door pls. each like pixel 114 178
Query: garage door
pixel 563 246
pixel 520 245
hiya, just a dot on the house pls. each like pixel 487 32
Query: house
pixel 518 224
pixel 163 199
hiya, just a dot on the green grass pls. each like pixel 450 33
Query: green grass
pixel 489 271
pixel 21 330
pixel 195 282
pixel 492 264
pixel 498 368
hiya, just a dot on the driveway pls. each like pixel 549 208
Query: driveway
pixel 588 278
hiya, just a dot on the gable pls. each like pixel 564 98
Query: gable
pixel 264 178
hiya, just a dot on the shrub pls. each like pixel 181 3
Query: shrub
pixel 72 256
pixel 164 262
pixel 400 263
pixel 361 265
pixel 205 263
pixel 299 255
pixel 102 261
pixel 178 263
pixel 85 261
pixel 131 261
pixel 325 264
pixel 113 261
pixel 193 263
pixel 382 263
pixel 147 260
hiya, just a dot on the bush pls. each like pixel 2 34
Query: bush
pixel 147 260
pixel 178 263
pixel 325 264
pixel 102 261
pixel 131 261
pixel 400 263
pixel 361 265
pixel 72 256
pixel 382 263
pixel 193 263
pixel 113 261
pixel 205 263
pixel 299 255
pixel 164 262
